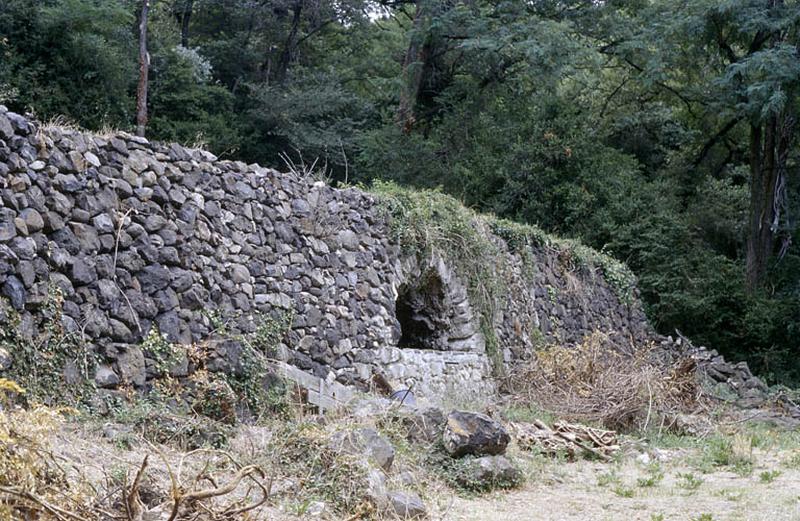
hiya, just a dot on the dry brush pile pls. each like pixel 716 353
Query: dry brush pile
pixel 597 383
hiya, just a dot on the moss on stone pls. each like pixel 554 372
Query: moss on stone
pixel 424 222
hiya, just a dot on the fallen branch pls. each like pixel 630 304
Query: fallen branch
pixel 60 513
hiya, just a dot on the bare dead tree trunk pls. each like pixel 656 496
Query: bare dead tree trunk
pixel 413 67
pixel 144 67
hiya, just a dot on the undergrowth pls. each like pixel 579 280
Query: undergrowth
pixel 54 355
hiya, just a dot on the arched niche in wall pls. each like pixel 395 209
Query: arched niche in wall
pixel 432 309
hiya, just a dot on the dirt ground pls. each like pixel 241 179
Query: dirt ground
pixel 649 483
pixel 577 491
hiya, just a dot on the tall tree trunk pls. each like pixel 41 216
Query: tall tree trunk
pixel 290 46
pixel 144 67
pixel 186 16
pixel 413 67
pixel 763 180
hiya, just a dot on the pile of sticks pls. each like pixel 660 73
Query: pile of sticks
pixel 566 439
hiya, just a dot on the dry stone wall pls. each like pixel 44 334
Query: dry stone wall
pixel 138 235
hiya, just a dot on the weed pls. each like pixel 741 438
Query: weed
pixel 301 451
pixel 269 332
pixel 793 461
pixel 689 481
pixel 654 477
pixel 703 517
pixel 657 517
pixel 54 356
pixel 165 354
pixel 608 478
pixel 527 412
pixel 734 452
pixel 623 491
pixel 461 473
pixel 768 476
pixel 730 494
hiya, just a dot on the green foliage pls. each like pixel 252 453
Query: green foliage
pixel 165 354
pixel 689 481
pixel 460 473
pixel 70 57
pixel 622 125
pixel 156 419
pixel 768 476
pixel 301 451
pixel 255 382
pixel 654 476
pixel 186 106
pixel 55 366
pixel 734 452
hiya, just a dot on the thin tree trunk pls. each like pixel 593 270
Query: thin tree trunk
pixel 186 16
pixel 144 67
pixel 413 67
pixel 290 47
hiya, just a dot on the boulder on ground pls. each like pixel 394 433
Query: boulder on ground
pixel 425 425
pixel 407 505
pixel 489 472
pixel 378 450
pixel 474 433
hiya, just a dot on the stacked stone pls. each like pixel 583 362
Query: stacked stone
pixel 137 235
pixel 726 380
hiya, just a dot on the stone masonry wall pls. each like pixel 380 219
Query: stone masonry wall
pixel 138 235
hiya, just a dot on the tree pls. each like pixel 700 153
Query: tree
pixel 144 67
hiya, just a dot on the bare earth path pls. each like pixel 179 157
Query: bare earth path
pixel 579 492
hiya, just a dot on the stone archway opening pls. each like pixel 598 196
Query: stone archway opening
pixel 422 313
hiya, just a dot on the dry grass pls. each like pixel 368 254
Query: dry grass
pixel 42 479
pixel 596 383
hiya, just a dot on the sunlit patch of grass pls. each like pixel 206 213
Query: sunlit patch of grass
pixel 735 453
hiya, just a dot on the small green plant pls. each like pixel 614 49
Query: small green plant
pixel 689 481
pixel 269 332
pixel 527 412
pixel 653 478
pixel 54 357
pixel 165 354
pixel 723 451
pixel 623 491
pixel 461 473
pixel 730 494
pixel 703 517
pixel 608 478
pixel 656 517
pixel 218 324
pixel 768 476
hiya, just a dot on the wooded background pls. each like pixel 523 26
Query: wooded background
pixel 660 131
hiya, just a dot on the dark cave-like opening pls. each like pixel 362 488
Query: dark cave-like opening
pixel 420 310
